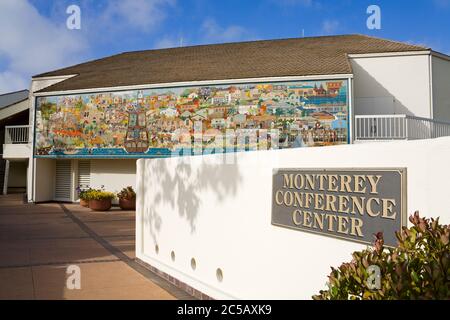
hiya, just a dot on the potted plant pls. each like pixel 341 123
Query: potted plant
pixel 100 200
pixel 127 198
pixel 83 195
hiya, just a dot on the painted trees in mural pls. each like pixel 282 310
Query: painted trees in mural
pixel 156 122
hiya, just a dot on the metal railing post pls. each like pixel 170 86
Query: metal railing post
pixel 406 128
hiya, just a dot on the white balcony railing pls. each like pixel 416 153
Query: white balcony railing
pixel 17 134
pixel 398 127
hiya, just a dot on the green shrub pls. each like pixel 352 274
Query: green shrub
pixel 419 268
pixel 100 195
pixel 127 193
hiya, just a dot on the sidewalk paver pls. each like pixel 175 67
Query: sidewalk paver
pixel 38 243
pixel 16 283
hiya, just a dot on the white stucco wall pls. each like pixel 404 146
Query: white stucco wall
pixel 44 180
pixel 16 151
pixel 221 216
pixel 392 85
pixel 113 174
pixel 441 88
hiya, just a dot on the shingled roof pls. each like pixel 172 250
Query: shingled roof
pixel 10 98
pixel 255 59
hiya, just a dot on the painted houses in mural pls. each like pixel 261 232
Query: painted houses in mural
pixel 157 122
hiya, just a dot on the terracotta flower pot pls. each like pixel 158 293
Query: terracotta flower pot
pixel 127 204
pixel 84 203
pixel 100 205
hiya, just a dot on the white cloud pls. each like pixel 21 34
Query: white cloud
pixel 168 42
pixel 330 26
pixel 12 81
pixel 31 43
pixel 442 3
pixel 213 32
pixel 144 15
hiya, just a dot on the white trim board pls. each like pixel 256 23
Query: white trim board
pixel 54 77
pixel 440 55
pixel 195 84
pixel 389 54
pixel 14 109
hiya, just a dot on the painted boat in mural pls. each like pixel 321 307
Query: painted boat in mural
pixel 70 151
pixel 137 136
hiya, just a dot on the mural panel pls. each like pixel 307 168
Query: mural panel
pixel 167 122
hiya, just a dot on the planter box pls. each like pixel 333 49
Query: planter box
pixel 100 205
pixel 126 204
pixel 84 203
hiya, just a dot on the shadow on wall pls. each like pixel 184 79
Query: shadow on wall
pixel 383 101
pixel 182 185
pixel 114 166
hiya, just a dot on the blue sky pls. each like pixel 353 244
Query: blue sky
pixel 35 38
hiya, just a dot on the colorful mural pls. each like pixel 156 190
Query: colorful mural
pixel 161 122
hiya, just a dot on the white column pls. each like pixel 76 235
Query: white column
pixel 6 177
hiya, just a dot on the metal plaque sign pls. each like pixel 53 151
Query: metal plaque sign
pixel 351 204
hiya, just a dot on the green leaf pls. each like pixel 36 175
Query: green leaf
pixel 414 276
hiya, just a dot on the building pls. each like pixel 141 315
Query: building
pixel 14 148
pixel 368 88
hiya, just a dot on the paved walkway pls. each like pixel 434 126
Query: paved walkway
pixel 39 242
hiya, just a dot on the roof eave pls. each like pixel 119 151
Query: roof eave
pixel 48 92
